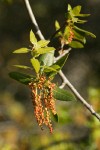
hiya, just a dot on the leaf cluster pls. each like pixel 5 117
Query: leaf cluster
pixel 42 55
pixel 73 18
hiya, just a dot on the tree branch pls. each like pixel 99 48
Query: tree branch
pixel 65 80
pixel 63 54
pixel 79 97
pixel 33 19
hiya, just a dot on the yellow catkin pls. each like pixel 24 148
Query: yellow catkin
pixel 43 101
pixel 71 36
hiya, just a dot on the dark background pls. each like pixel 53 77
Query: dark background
pixel 82 69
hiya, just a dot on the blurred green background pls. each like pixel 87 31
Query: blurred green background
pixel 77 128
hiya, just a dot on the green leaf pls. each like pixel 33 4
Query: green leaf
pixel 79 37
pixel 33 39
pixel 83 15
pixel 76 10
pixel 66 32
pixel 21 50
pixel 69 7
pixel 22 66
pixel 57 25
pixel 86 32
pixel 81 21
pixel 74 19
pixel 22 78
pixel 61 61
pixel 63 95
pixel 47 59
pixel 55 117
pixel 43 43
pixel 53 68
pixel 76 44
pixel 35 64
pixel 44 50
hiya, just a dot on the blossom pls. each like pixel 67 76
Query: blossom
pixel 43 101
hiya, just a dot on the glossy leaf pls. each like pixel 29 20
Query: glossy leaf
pixel 63 95
pixel 67 32
pixel 22 66
pixel 47 59
pixel 56 67
pixel 86 32
pixel 21 50
pixel 76 10
pixel 44 50
pixel 35 64
pixel 69 7
pixel 33 39
pixel 57 25
pixel 76 44
pixel 22 78
pixel 81 21
pixel 79 37
pixel 53 68
pixel 62 61
pixel 83 15
pixel 43 43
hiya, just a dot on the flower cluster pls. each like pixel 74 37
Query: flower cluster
pixel 43 101
pixel 71 36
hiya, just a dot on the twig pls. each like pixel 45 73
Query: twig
pixel 79 97
pixel 65 80
pixel 33 19
pixel 63 54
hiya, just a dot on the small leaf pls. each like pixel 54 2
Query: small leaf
pixel 69 7
pixel 47 59
pixel 35 64
pixel 66 32
pixel 76 44
pixel 43 43
pixel 44 50
pixel 79 37
pixel 56 117
pixel 61 61
pixel 22 78
pixel 22 66
pixel 86 32
pixel 33 39
pixel 76 10
pixel 81 21
pixel 52 68
pixel 57 25
pixel 63 95
pixel 21 50
pixel 83 15
pixel 56 67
